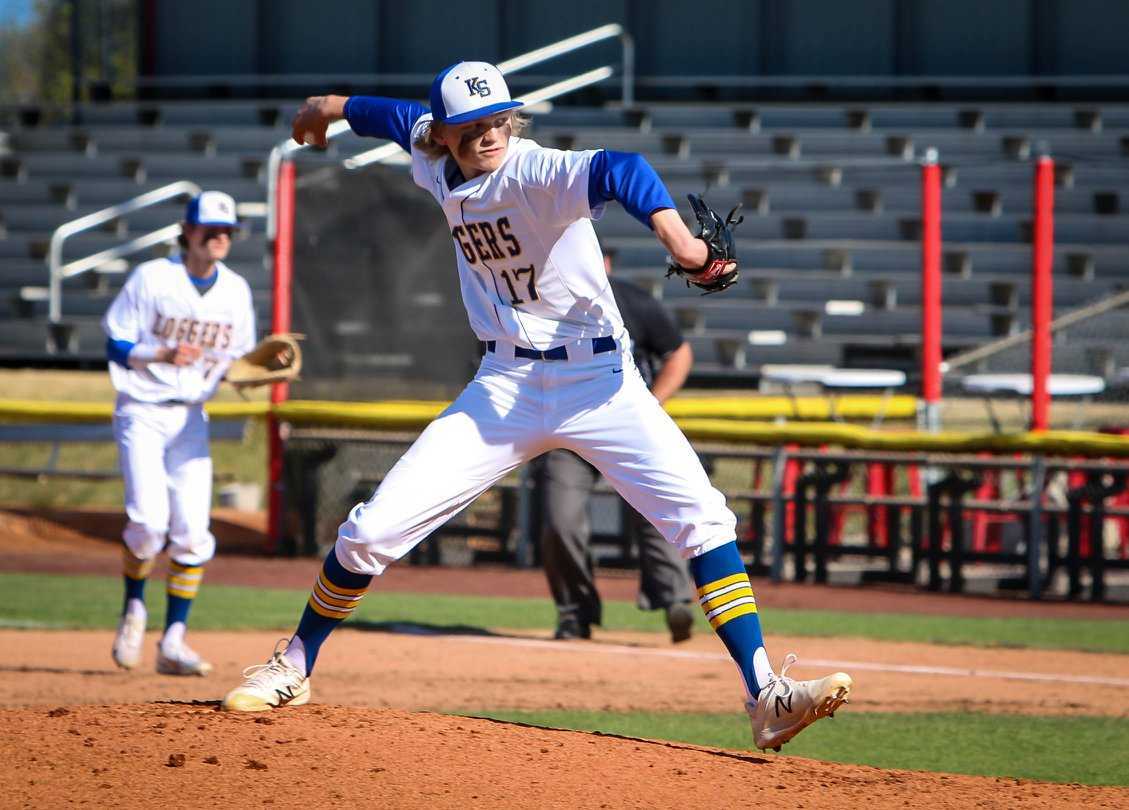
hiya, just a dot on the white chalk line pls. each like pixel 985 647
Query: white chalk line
pixel 909 669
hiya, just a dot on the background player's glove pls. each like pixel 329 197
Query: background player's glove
pixel 276 358
pixel 720 269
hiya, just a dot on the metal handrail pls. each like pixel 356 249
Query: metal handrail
pixel 385 151
pixel 157 237
pixel 288 147
pixel 575 43
pixel 55 268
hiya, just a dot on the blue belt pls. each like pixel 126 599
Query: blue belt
pixel 599 346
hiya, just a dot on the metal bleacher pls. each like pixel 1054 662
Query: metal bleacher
pixel 832 204
pixel 829 247
pixel 59 167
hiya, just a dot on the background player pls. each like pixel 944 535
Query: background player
pixel 567 481
pixel 171 333
pixel 556 374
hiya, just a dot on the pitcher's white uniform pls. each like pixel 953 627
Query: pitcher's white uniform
pixel 556 373
pixel 533 278
pixel 159 419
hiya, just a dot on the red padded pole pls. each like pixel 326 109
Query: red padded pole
pixel 930 290
pixel 1042 291
pixel 280 322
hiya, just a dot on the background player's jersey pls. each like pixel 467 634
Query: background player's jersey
pixel 159 306
pixel 530 266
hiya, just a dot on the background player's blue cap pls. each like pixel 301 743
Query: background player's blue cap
pixel 469 90
pixel 211 208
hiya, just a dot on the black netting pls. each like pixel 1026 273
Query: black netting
pixel 328 471
pixel 375 289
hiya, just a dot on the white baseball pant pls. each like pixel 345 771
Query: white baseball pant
pixel 513 411
pixel 167 470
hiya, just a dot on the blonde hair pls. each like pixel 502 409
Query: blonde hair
pixel 426 143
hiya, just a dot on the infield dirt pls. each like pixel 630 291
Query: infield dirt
pixel 74 730
pixel 197 756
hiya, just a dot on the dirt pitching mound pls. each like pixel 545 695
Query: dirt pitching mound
pixel 127 756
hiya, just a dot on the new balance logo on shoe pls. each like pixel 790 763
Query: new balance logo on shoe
pixel 285 697
pixel 785 701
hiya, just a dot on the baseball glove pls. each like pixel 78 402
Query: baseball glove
pixel 720 269
pixel 276 358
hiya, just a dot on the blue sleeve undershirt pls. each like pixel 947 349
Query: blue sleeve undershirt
pixel 117 351
pixel 376 117
pixel 628 178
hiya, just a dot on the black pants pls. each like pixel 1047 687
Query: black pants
pixel 567 483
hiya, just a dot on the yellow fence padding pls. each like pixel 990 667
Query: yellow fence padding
pixel 1051 442
pixel 852 406
pixel 407 413
pixel 730 420
pixel 391 415
pixel 39 411
pixel 400 413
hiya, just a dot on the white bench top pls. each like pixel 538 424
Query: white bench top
pixel 784 373
pixel 831 377
pixel 864 378
pixel 1058 385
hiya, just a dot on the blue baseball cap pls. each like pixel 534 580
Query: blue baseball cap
pixel 467 91
pixel 211 208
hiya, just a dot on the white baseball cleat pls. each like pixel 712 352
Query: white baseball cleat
pixel 785 707
pixel 182 661
pixel 272 685
pixel 127 642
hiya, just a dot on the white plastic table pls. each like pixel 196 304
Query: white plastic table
pixel 789 376
pixel 1019 385
pixel 831 380
pixel 852 379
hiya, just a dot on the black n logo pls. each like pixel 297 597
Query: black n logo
pixel 785 701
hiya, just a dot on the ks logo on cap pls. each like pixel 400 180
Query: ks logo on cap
pixel 477 86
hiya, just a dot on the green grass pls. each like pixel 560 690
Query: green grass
pixel 92 602
pixel 1089 750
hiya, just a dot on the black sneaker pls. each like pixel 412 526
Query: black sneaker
pixel 680 621
pixel 570 628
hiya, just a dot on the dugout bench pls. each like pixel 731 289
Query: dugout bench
pixel 926 537
pixel 920 533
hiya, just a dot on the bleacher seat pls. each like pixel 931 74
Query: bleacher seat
pixel 69 166
pixel 831 195
pixel 102 193
pixel 202 168
pixel 35 193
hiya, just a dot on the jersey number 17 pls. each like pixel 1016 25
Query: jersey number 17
pixel 513 279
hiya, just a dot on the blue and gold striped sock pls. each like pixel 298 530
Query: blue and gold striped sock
pixel 134 573
pixel 181 588
pixel 335 596
pixel 726 597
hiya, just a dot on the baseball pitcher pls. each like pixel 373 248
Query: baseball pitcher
pixel 556 373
